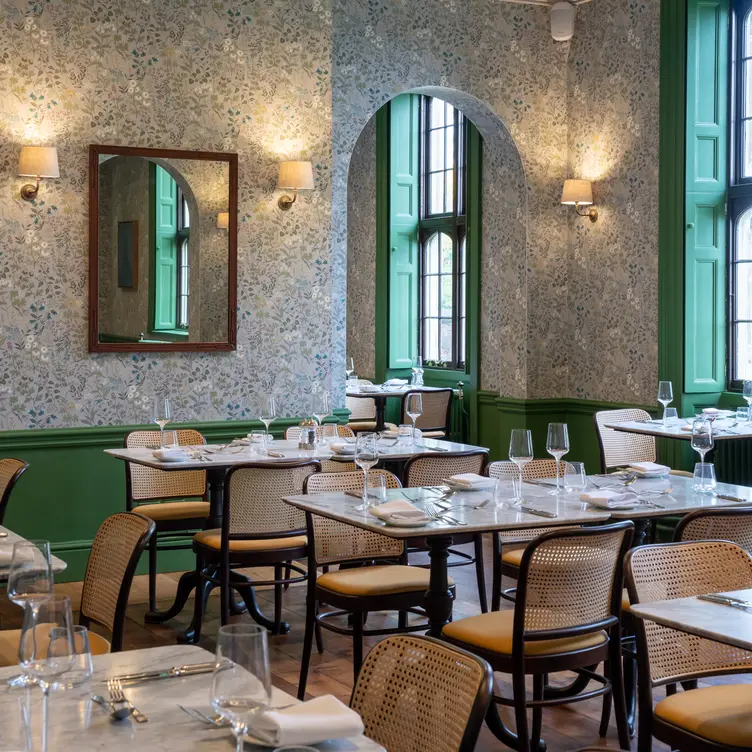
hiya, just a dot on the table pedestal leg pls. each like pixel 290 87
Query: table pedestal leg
pixel 380 403
pixel 439 597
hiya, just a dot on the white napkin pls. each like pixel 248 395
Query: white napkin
pixel 341 447
pixel 650 468
pixel 310 722
pixel 472 480
pixel 369 388
pixel 398 510
pixel 395 382
pixel 171 453
pixel 605 499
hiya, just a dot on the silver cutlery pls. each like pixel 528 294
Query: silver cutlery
pixel 118 698
pixel 3 534
pixel 441 514
pixel 725 497
pixel 117 714
pixel 724 600
pixel 215 720
pixel 166 673
pixel 537 512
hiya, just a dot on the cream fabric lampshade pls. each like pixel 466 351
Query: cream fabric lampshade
pixel 577 192
pixel 295 176
pixel 38 161
pixel 223 220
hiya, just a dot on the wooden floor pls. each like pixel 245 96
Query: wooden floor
pixel 565 728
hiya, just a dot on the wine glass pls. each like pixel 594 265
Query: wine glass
pixel 241 686
pixel 161 416
pixel 366 456
pixel 414 409
pixel 665 396
pixel 702 437
pixel 349 367
pixel 45 649
pixel 268 414
pixel 320 407
pixel 520 452
pixel 557 445
pixel 747 392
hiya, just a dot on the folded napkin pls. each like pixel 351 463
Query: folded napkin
pixel 369 388
pixel 395 382
pixel 310 722
pixel 650 468
pixel 716 411
pixel 472 480
pixel 398 510
pixel 341 447
pixel 605 499
pixel 171 453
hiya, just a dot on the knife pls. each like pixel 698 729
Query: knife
pixel 167 673
pixel 733 498
pixel 726 601
pixel 538 512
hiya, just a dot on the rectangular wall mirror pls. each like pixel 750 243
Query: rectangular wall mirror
pixel 162 249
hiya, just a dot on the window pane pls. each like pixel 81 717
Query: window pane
pixel 461 353
pixel 446 253
pixel 449 144
pixel 431 297
pixel 743 351
pixel 747 160
pixel 186 214
pixel 431 339
pixel 446 295
pixel 449 203
pixel 446 340
pixel 748 36
pixel 437 194
pixel 744 236
pixel 747 104
pixel 449 116
pixel 744 291
pixel 432 254
pixel 437 114
pixel 437 150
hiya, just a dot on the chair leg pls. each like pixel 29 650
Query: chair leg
pixel 520 711
pixel 496 578
pixel 617 688
pixel 153 573
pixel 539 682
pixel 224 593
pixel 277 599
pixel 288 574
pixel 629 671
pixel 305 662
pixel 357 646
pixel 606 705
pixel 480 572
pixel 402 620
pixel 203 587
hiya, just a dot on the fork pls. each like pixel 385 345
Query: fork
pixel 115 689
pixel 440 514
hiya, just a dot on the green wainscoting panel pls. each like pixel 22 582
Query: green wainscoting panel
pixel 71 486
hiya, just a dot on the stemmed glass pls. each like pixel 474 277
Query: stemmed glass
pixel 350 367
pixel 242 686
pixel 320 408
pixel 702 437
pixel 414 409
pixel 665 396
pixel 268 415
pixel 557 445
pixel 161 416
pixel 366 456
pixel 520 452
pixel 747 393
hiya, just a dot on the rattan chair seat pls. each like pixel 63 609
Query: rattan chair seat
pixel 513 558
pixel 175 510
pixel 10 639
pixel 721 714
pixel 213 539
pixel 493 632
pixel 388 579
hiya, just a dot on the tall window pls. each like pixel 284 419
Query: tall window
pixel 442 229
pixel 184 232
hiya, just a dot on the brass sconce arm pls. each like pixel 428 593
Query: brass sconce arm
pixel 585 210
pixel 30 191
pixel 285 202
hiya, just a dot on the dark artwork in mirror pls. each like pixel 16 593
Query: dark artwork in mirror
pixel 162 263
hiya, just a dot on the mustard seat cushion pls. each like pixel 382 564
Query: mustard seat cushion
pixel 213 539
pixel 513 558
pixel 174 510
pixel 388 579
pixel 10 639
pixel 625 604
pixel 493 632
pixel 721 714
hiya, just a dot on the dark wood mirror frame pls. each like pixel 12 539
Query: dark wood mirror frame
pixel 94 344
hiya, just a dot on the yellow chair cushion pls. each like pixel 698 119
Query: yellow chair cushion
pixel 10 639
pixel 174 510
pixel 722 714
pixel 388 579
pixel 513 558
pixel 625 604
pixel 493 632
pixel 213 539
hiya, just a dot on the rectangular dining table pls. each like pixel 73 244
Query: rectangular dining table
pixel 380 393
pixel 70 720
pixel 7 541
pixel 678 430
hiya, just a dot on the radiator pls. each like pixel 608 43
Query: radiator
pixel 459 418
pixel 733 461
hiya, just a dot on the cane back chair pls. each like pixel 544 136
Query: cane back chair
pixel 10 471
pixel 371 581
pixel 619 449
pixel 708 718
pixel 417 694
pixel 437 409
pixel 148 491
pixel 334 464
pixel 566 618
pixel 362 410
pixel 733 525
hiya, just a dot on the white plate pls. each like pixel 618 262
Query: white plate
pixel 460 487
pixel 178 458
pixel 648 474
pixel 342 448
pixel 404 523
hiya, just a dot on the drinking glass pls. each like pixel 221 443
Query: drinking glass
pixel 742 414
pixel 257 441
pixel 352 383
pixel 320 407
pixel 414 409
pixel 82 667
pixel 557 445
pixel 349 367
pixel 520 452
pixel 404 434
pixel 417 372
pixel 747 392
pixel 670 415
pixel 329 433
pixel 575 477
pixel 376 489
pixel 704 477
pixel 702 437
pixel 241 686
pixel 366 456
pixel 161 416
pixel 665 396
pixel 268 414
pixel 45 650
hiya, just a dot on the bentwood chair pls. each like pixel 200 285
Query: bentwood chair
pixel 733 525
pixel 566 618
pixel 437 408
pixel 418 694
pixel 693 720
pixel 148 491
pixel 431 470
pixel 362 411
pixel 619 449
pixel 114 555
pixel 332 465
pixel 371 582
pixel 293 432
pixel 258 530
pixel 10 471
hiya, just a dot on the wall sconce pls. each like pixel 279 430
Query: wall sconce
pixel 223 220
pixel 293 176
pixel 579 193
pixel 37 162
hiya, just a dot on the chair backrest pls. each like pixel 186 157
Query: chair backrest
pixel 506 470
pixel 619 449
pixel 437 406
pixel 733 525
pixel 254 494
pixel 418 693
pixel 571 580
pixel 115 552
pixel 430 470
pixel 337 466
pixel 361 408
pixel 10 471
pixel 293 432
pixel 337 541
pixel 147 484
pixel 682 570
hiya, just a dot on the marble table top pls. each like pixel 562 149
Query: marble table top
pixel 722 430
pixel 389 391
pixel 73 721
pixel 725 624
pixel 6 544
pixel 388 450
